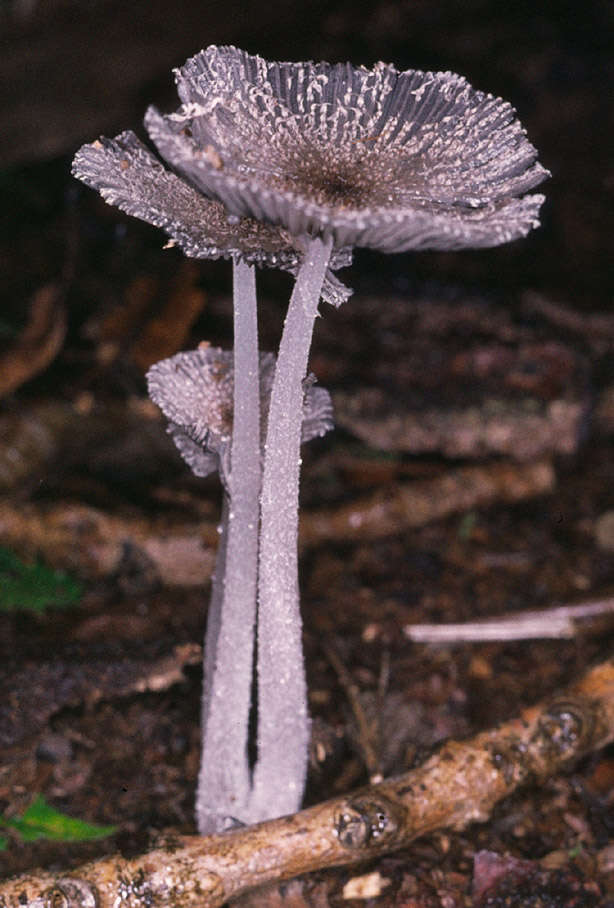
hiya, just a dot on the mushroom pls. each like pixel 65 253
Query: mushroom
pixel 127 175
pixel 332 157
pixel 194 390
pixel 337 156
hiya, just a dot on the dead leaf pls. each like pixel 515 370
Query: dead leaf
pixel 39 342
pixel 168 331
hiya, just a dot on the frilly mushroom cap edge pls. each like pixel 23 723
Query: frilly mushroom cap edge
pixel 380 158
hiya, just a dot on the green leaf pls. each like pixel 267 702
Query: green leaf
pixel 34 587
pixel 3 843
pixel 41 821
pixel 467 525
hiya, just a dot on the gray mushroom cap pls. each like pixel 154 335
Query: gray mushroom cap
pixel 194 390
pixel 376 157
pixel 128 175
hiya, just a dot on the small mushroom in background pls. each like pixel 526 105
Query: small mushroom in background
pixel 338 156
pixel 194 390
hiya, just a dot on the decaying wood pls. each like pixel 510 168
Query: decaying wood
pixel 458 785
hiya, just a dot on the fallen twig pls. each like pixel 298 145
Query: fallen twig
pixel 596 327
pixel 502 427
pixel 414 504
pixel 560 622
pixel 182 554
pixel 456 786
pixel 367 731
pixel 38 343
pixel 92 543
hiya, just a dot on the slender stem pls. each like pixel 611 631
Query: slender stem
pixel 283 722
pixel 224 779
pixel 214 612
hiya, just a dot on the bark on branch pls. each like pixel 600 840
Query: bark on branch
pixel 458 785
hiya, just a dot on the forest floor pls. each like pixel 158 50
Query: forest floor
pixel 470 476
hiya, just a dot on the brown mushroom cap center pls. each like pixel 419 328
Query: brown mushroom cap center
pixel 356 178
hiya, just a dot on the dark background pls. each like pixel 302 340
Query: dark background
pixel 70 71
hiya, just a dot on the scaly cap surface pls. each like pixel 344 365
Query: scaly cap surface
pixel 377 157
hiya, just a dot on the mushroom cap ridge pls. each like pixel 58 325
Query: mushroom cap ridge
pixel 129 176
pixel 377 157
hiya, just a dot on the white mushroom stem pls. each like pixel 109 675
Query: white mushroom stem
pixel 283 721
pixel 224 778
pixel 214 622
